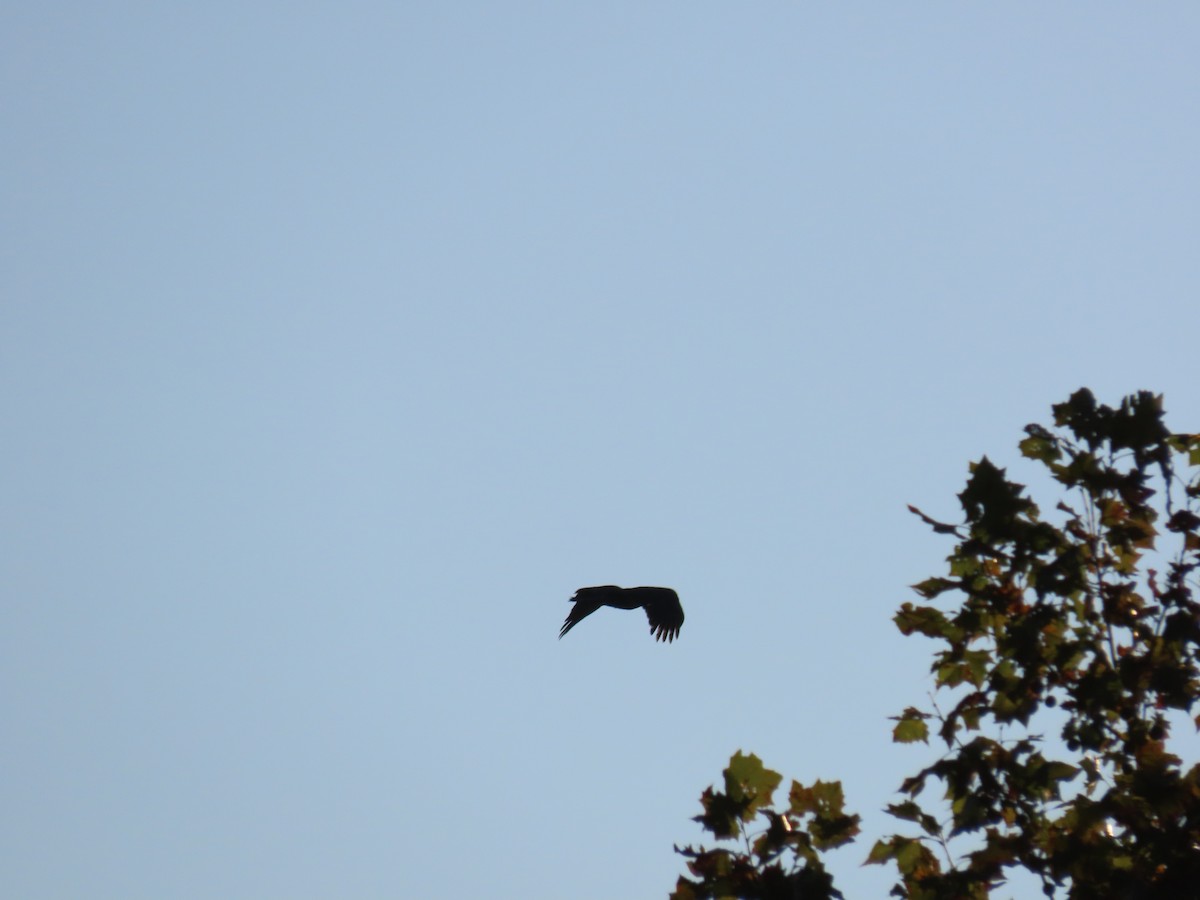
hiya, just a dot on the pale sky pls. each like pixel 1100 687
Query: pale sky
pixel 340 343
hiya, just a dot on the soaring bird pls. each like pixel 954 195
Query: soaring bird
pixel 661 605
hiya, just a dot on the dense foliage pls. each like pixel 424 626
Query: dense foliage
pixel 1070 649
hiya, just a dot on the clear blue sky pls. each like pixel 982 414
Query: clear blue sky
pixel 340 343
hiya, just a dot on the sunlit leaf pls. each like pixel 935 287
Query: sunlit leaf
pixel 924 620
pixel 881 852
pixel 908 731
pixel 910 854
pixel 749 781
pixel 1040 446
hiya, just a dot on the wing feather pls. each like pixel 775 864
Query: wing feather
pixel 665 613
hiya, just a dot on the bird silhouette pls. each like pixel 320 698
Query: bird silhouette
pixel 661 605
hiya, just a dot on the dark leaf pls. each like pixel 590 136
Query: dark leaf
pixel 912 812
pixel 939 527
pixel 931 587
pixel 1184 520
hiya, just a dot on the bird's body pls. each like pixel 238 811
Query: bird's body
pixel 661 604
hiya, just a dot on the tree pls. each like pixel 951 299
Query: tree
pixel 1071 650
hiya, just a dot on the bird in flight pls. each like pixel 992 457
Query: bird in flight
pixel 661 605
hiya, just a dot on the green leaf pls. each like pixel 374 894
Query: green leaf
pixel 749 781
pixel 824 801
pixel 910 727
pixel 924 620
pixel 970 667
pixel 1186 443
pixel 881 852
pixel 1040 445
pixel 1060 771
pixel 823 798
pixel 910 854
pixel 964 566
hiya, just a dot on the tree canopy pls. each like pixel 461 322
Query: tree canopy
pixel 1067 648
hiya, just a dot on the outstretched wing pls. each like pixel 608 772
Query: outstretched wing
pixel 661 605
pixel 664 612
pixel 587 600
